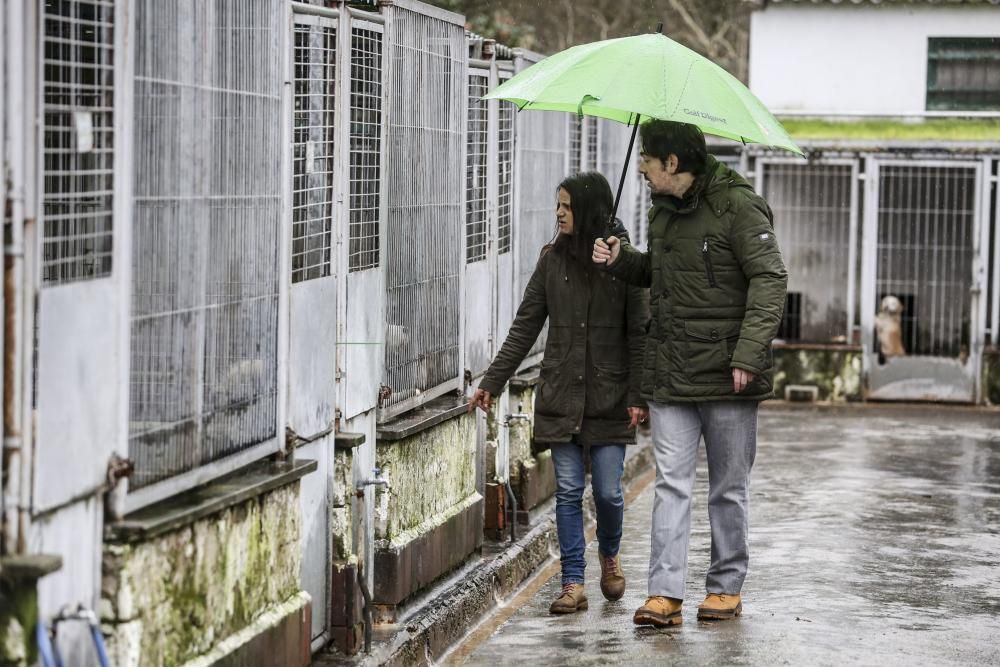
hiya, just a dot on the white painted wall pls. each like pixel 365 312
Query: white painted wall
pixel 847 59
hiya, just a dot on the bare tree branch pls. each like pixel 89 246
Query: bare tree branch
pixel 692 25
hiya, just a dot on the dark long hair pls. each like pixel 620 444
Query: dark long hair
pixel 591 200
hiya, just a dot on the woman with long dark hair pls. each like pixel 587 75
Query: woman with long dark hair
pixel 587 400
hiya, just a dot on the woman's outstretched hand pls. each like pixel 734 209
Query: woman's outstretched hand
pixel 606 250
pixel 482 400
pixel 637 416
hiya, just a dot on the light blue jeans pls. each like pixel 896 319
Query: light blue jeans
pixel 606 465
pixel 730 432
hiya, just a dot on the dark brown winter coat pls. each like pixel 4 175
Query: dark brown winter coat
pixel 592 365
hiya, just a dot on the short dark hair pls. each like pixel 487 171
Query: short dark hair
pixel 591 201
pixel 662 138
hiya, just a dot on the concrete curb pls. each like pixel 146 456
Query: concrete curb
pixel 447 617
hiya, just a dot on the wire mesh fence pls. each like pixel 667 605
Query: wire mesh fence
pixel 542 144
pixel 614 142
pixel 593 143
pixel 426 173
pixel 926 226
pixel 812 206
pixel 365 146
pixel 207 218
pixel 507 113
pixel 476 174
pixel 575 156
pixel 313 146
pixel 78 126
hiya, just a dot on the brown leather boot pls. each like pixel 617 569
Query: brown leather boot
pixel 571 599
pixel 612 577
pixel 720 607
pixel 659 611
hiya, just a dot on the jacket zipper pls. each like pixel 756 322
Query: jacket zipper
pixel 707 257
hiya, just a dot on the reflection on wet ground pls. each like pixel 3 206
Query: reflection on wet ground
pixel 875 537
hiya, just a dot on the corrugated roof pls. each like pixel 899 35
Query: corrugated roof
pixel 763 3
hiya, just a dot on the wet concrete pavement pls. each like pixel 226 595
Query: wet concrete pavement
pixel 875 538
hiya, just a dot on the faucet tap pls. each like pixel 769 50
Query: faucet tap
pixel 517 416
pixel 378 478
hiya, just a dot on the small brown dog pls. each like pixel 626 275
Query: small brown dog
pixel 889 327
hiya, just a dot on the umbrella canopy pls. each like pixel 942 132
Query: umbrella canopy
pixel 647 76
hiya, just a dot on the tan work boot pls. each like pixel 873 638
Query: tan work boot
pixel 659 611
pixel 720 607
pixel 571 599
pixel 612 577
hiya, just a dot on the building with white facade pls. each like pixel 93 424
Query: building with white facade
pixel 897 105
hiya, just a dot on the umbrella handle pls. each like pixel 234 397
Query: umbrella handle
pixel 621 182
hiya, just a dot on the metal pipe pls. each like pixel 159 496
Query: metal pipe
pixel 513 510
pixel 366 594
pixel 314 10
pixel 518 416
pixel 14 507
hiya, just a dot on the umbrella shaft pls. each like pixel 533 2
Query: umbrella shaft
pixel 621 182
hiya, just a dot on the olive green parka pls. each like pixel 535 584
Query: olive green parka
pixel 593 353
pixel 717 290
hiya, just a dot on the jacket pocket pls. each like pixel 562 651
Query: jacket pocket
pixel 706 256
pixel 607 395
pixel 709 347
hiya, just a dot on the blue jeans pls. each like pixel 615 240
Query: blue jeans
pixel 606 465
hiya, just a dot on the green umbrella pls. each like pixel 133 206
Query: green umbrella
pixel 643 77
pixel 650 76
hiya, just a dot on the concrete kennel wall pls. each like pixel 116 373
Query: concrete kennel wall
pixel 172 597
pixel 431 518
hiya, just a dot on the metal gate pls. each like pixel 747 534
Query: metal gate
pixel 424 166
pixel 80 260
pixel 479 221
pixel 923 279
pixel 506 299
pixel 312 313
pixel 362 309
pixel 816 221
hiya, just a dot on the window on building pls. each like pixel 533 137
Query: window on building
pixel 963 74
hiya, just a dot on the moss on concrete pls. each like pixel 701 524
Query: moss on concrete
pixel 929 129
pixel 431 473
pixel 18 617
pixel 835 372
pixel 341 514
pixel 181 593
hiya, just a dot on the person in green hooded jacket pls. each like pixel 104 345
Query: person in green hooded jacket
pixel 587 399
pixel 717 292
